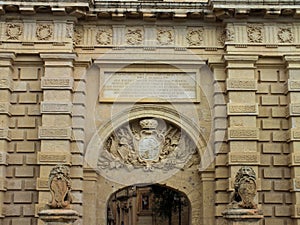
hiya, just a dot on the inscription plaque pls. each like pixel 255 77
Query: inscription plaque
pixel 149 87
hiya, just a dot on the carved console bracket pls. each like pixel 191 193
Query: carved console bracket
pixel 242 209
pixel 60 188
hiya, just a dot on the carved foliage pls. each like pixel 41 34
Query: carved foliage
pixel 134 36
pixel 285 35
pixel 78 35
pixel 148 144
pixel 229 32
pixel 44 31
pixel 195 36
pixel 60 187
pixel 14 31
pixel 69 31
pixel 104 36
pixel 254 33
pixel 245 188
pixel 222 37
pixel 165 36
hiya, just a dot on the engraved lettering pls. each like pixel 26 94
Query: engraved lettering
pixel 150 86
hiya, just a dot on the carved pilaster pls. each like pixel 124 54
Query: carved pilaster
pixel 55 131
pixel 6 60
pixel 293 94
pixel 242 110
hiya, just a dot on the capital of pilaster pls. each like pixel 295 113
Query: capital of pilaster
pixel 58 56
pixel 7 58
pixel 291 58
pixel 241 58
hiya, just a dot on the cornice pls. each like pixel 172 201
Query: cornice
pixel 210 10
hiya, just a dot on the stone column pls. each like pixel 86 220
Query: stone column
pixel 6 69
pixel 293 94
pixel 55 132
pixel 243 133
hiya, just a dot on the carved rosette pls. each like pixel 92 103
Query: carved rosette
pixel 14 31
pixel 148 144
pixel 165 36
pixel 44 32
pixel 285 35
pixel 104 37
pixel 244 188
pixel 134 36
pixel 78 35
pixel 195 36
pixel 60 187
pixel 254 33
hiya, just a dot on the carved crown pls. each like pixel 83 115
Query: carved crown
pixel 148 124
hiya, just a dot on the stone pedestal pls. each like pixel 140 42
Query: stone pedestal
pixel 243 216
pixel 58 216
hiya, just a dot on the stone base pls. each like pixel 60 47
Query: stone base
pixel 58 216
pixel 243 216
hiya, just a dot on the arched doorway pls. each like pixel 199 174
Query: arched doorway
pixel 148 205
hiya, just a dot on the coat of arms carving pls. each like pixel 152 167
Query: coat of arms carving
pixel 148 144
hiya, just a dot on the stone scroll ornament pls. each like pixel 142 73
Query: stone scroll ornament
pixel 60 187
pixel 244 188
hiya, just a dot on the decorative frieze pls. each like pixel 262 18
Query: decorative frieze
pixel 53 158
pixel 55 133
pixel 241 85
pixel 249 133
pixel 14 31
pixel 56 108
pixel 254 33
pixel 103 36
pixel 134 35
pixel 242 109
pixel 195 36
pixel 285 35
pixel 165 36
pixel 57 83
pixel 44 32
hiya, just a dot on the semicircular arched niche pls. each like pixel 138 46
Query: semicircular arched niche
pixel 164 115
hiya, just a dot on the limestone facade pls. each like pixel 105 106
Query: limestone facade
pixel 68 85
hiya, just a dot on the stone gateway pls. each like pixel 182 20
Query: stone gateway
pixel 149 112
